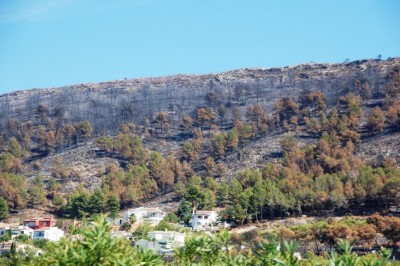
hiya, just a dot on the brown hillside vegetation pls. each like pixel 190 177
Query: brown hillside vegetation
pixel 307 139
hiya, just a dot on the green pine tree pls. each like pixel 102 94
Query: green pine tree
pixel 4 210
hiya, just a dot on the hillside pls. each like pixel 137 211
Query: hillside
pixel 209 125
pixel 108 104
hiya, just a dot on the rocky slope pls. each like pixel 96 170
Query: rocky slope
pixel 106 105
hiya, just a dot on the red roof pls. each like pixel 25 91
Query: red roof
pixel 40 222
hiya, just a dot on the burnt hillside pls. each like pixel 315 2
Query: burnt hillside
pixel 108 104
pixel 141 139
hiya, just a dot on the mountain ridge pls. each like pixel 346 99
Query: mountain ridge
pixel 194 74
pixel 128 100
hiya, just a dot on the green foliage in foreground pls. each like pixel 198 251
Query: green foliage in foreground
pixel 97 247
pixel 218 251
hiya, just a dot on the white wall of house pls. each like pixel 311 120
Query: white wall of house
pixel 203 219
pixel 50 233
pixel 167 236
pixel 152 215
pixel 162 242
pixel 155 217
pixel 21 230
pixel 26 248
pixel 117 221
pixel 4 230
pixel 147 244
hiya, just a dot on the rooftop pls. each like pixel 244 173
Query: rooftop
pixel 146 209
pixel 46 228
pixel 21 227
pixel 204 212
pixel 166 232
pixel 40 218
pixel 7 225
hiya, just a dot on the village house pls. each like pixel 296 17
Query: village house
pixel 162 242
pixel 167 236
pixel 21 230
pixel 3 230
pixel 37 223
pixel 5 227
pixel 49 233
pixel 116 222
pixel 152 215
pixel 27 248
pixel 67 224
pixel 122 234
pixel 203 220
pixel 5 248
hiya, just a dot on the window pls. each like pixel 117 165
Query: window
pixel 200 217
pixel 206 217
pixel 39 234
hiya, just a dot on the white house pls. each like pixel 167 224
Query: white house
pixel 5 227
pixel 162 242
pixel 117 221
pixel 49 233
pixel 121 234
pixel 3 230
pixel 152 215
pixel 202 220
pixel 167 236
pixel 29 249
pixel 21 230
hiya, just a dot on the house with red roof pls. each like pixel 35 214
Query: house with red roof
pixel 37 223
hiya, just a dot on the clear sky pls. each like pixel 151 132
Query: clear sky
pixel 50 43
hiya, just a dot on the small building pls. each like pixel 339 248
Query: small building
pixel 23 248
pixel 203 220
pixel 116 222
pixel 167 236
pixel 121 234
pixel 49 233
pixel 21 230
pixel 67 224
pixel 152 215
pixel 29 249
pixel 37 223
pixel 4 230
pixel 5 227
pixel 162 242
pixel 5 248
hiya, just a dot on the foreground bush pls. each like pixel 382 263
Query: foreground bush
pixel 96 248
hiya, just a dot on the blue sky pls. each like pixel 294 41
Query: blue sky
pixel 50 43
